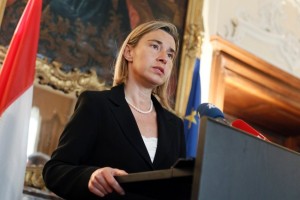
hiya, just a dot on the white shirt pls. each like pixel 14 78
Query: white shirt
pixel 151 145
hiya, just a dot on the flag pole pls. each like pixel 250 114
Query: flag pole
pixel 2 9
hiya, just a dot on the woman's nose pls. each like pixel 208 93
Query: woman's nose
pixel 163 57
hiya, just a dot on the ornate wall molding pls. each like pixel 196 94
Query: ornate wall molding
pixel 71 82
pixel 193 40
pixel 74 82
pixel 272 33
pixel 2 54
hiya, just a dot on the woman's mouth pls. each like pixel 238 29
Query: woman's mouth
pixel 159 69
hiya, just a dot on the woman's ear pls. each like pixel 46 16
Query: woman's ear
pixel 128 53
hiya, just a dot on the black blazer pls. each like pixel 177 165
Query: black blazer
pixel 103 132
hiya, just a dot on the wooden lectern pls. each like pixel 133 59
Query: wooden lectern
pixel 230 165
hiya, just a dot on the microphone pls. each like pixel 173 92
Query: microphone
pixel 212 111
pixel 240 124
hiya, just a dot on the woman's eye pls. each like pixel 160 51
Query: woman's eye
pixel 171 55
pixel 155 46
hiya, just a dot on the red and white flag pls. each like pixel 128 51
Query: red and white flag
pixel 16 87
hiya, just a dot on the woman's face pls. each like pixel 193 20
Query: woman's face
pixel 150 62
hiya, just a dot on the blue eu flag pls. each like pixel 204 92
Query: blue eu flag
pixel 191 119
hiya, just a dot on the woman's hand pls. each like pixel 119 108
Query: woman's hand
pixel 102 181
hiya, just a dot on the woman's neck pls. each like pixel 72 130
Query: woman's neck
pixel 137 95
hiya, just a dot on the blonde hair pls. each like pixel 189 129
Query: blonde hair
pixel 121 66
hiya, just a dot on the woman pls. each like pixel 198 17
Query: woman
pixel 123 130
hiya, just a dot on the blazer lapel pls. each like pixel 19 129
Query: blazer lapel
pixel 165 129
pixel 125 118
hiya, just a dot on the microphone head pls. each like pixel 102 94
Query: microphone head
pixel 240 124
pixel 209 110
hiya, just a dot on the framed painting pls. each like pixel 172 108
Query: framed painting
pixel 86 35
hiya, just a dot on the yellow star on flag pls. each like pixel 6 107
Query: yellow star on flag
pixel 191 118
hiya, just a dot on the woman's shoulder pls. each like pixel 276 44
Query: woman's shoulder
pixel 91 98
pixel 95 100
pixel 102 93
pixel 94 93
pixel 114 94
pixel 171 114
pixel 174 115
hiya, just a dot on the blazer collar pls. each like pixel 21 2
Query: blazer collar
pixel 122 113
